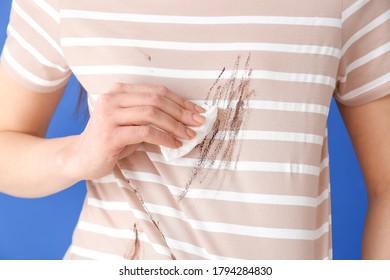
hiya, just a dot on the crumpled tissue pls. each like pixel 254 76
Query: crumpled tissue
pixel 201 132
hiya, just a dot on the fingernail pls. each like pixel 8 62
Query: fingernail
pixel 178 143
pixel 190 132
pixel 198 118
pixel 199 109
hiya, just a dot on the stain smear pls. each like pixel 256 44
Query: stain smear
pixel 147 56
pixel 152 219
pixel 137 246
pixel 221 150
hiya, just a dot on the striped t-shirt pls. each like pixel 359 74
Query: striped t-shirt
pixel 257 187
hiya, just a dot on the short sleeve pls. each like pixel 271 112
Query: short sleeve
pixel 32 54
pixel 364 70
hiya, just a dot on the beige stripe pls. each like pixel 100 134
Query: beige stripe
pixel 269 136
pixel 299 184
pixel 230 212
pixel 41 31
pixel 33 51
pixel 92 254
pixel 274 152
pixel 201 20
pixel 168 213
pixel 189 248
pixel 264 105
pixel 217 7
pixel 366 29
pixel 115 234
pixel 369 57
pixel 171 215
pixel 26 74
pixel 266 90
pixel 276 34
pixel 121 219
pixel 241 165
pixel 54 14
pixel 383 80
pixel 223 238
pixel 194 46
pixel 261 248
pixel 351 10
pixel 222 195
pixel 205 74
pixel 250 203
pixel 317 65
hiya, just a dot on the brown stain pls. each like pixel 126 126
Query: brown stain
pixel 147 56
pixel 152 219
pixel 236 92
pixel 136 248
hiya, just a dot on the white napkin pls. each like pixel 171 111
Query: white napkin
pixel 201 132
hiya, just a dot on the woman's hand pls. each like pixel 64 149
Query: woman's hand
pixel 125 117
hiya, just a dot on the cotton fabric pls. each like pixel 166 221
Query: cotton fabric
pixel 257 188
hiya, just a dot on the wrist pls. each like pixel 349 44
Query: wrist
pixel 68 159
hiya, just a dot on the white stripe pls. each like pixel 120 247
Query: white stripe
pixel 365 59
pixel 129 234
pixel 353 9
pixel 331 253
pixel 111 179
pixel 263 105
pixel 278 233
pixel 278 106
pixel 271 199
pixel 121 233
pixel 36 27
pixel 48 9
pixel 93 254
pixel 33 51
pixel 90 104
pixel 108 231
pixel 365 30
pixel 184 46
pixel 194 74
pixel 366 88
pixel 118 206
pixel 110 205
pixel 28 75
pixel 106 179
pixel 241 165
pixel 145 18
pixel 141 215
pixel 324 163
pixel 254 198
pixel 194 250
pixel 270 136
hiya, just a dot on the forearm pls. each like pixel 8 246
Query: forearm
pixel 369 128
pixel 376 239
pixel 32 167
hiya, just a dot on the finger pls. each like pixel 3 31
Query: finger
pixel 132 99
pixel 129 135
pixel 149 115
pixel 128 150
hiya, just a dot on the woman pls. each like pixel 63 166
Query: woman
pixel 257 187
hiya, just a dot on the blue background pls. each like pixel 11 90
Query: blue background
pixel 42 228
